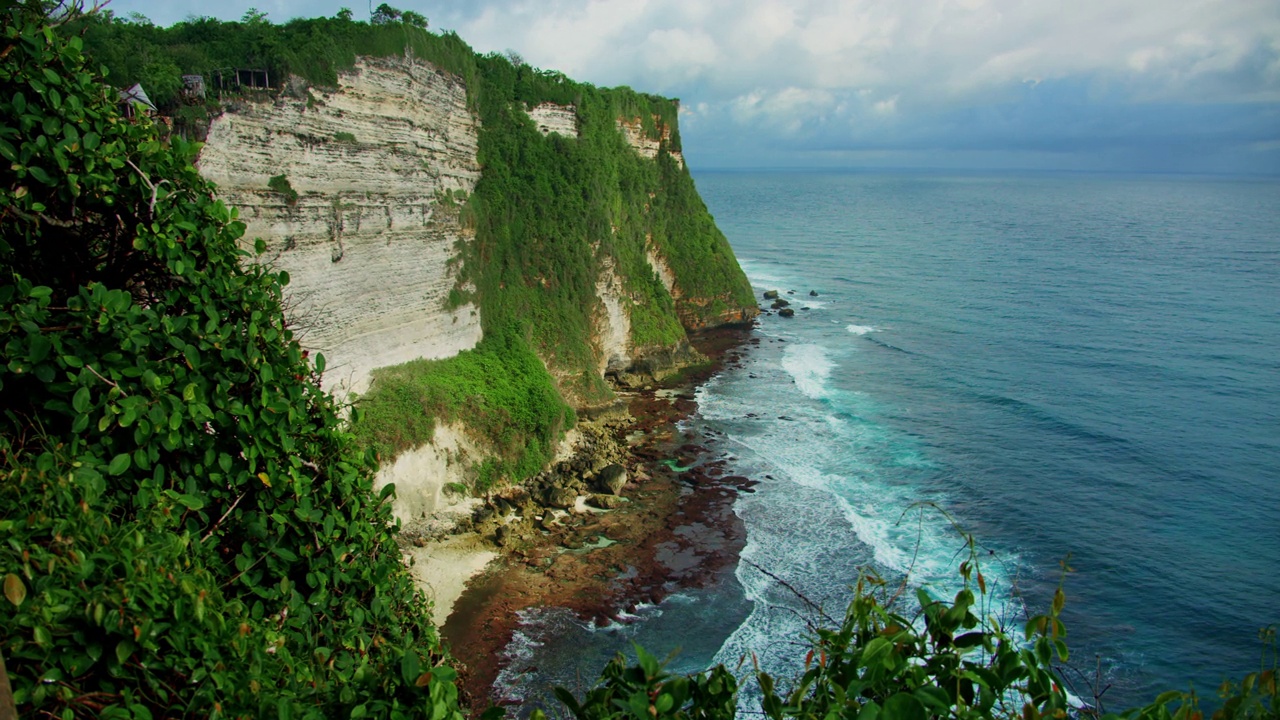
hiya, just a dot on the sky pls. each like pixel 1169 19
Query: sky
pixel 1187 86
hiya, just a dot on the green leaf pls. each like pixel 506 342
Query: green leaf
pixel 14 589
pixel 410 667
pixel 934 697
pixel 876 652
pixel 119 464
pixel 191 502
pixel 40 174
pixel 903 707
pixel 80 402
pixel 39 348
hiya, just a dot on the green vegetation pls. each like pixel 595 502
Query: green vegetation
pixel 548 211
pixel 189 531
pixel 187 528
pixel 280 184
pixel 345 137
pixel 500 389
pixel 944 661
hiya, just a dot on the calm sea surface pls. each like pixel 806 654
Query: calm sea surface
pixel 1067 365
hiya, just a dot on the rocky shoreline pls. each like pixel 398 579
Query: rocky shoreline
pixel 639 511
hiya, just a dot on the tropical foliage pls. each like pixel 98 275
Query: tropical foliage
pixel 187 527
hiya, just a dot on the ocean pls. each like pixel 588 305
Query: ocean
pixel 1076 369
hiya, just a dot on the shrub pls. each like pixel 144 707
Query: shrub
pixel 345 137
pixel 188 527
pixel 280 184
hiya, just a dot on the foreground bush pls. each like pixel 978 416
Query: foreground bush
pixel 187 528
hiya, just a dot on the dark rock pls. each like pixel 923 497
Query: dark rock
pixel 786 312
pixel 806 307
pixel 813 293
pixel 770 294
pixel 779 303
pixel 606 502
pixel 791 292
pixel 612 478
pixel 562 498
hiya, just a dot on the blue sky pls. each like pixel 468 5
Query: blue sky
pixel 1091 85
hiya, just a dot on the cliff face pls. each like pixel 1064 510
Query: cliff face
pixel 380 165
pixel 371 195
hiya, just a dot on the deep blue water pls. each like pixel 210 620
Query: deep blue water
pixel 1083 365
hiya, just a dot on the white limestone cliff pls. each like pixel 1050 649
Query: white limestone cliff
pixel 380 165
pixel 552 118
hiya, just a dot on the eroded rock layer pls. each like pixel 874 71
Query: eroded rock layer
pixel 381 166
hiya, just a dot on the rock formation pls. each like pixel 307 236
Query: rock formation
pixel 380 165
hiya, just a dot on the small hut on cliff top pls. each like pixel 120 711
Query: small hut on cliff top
pixel 135 100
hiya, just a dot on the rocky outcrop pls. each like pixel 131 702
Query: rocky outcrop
pixel 690 309
pixel 381 166
pixel 551 118
pixel 614 328
pixel 432 481
pixel 633 130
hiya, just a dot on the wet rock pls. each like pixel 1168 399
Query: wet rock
pixel 770 294
pixel 786 312
pixel 606 502
pixel 813 293
pixel 779 303
pixel 612 478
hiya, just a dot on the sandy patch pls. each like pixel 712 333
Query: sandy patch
pixel 443 568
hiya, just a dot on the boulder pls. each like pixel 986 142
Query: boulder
pixel 786 312
pixel 606 502
pixel 612 478
pixel 779 304
pixel 770 294
pixel 562 498
pixel 813 293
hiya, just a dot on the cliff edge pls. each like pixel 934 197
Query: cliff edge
pixel 438 219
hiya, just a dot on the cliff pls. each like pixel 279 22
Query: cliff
pixel 420 215
pixel 377 164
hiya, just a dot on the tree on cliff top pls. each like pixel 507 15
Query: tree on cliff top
pixel 189 529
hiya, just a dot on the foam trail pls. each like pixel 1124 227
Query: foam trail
pixel 810 366
pixel 860 329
